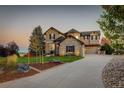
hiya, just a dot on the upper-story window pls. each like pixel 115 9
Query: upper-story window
pixel 52 36
pixel 49 36
pixel 91 37
pixel 96 38
pixel 86 37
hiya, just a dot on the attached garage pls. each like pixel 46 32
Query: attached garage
pixel 92 49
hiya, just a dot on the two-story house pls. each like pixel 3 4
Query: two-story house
pixel 72 42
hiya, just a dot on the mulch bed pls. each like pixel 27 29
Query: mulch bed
pixel 12 75
pixel 9 74
pixel 45 65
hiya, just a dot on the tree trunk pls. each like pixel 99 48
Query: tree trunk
pixel 36 57
pixel 28 57
pixel 42 57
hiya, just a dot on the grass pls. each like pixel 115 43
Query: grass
pixel 64 59
pixel 2 59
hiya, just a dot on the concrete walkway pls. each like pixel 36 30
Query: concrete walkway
pixel 85 73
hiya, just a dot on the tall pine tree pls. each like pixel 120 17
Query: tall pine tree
pixel 36 41
pixel 112 25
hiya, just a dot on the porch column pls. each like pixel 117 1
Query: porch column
pixel 57 49
pixel 82 50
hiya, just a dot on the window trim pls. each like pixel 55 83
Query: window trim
pixel 70 48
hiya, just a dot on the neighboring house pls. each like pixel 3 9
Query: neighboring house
pixel 72 42
pixel 104 41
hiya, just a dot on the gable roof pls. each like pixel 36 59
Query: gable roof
pixel 72 31
pixel 61 39
pixel 52 28
pixel 89 32
pixel 76 39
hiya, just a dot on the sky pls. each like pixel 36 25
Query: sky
pixel 18 22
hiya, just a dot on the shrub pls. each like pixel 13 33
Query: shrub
pixel 3 61
pixel 107 48
pixel 12 60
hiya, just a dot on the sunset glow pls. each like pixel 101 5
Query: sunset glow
pixel 18 22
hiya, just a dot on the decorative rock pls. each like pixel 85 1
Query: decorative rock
pixel 113 74
pixel 56 60
pixel 23 68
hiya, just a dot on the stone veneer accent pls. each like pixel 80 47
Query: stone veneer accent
pixel 69 41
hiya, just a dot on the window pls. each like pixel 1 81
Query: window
pixel 51 36
pixel 70 48
pixel 91 37
pixel 85 37
pixel 96 37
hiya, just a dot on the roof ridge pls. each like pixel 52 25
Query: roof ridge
pixel 72 30
pixel 54 29
pixel 75 38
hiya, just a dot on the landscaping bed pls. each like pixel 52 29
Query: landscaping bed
pixel 49 62
pixel 12 75
pixel 45 66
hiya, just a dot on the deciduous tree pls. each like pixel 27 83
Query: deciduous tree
pixel 112 24
pixel 36 41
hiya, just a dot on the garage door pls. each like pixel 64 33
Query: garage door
pixel 91 50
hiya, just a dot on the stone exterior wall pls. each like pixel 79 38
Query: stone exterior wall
pixel 50 31
pixel 50 45
pixel 69 41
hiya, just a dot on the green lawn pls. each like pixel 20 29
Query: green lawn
pixel 2 59
pixel 63 59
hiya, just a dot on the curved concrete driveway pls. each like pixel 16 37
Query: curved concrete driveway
pixel 83 73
